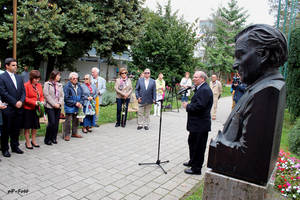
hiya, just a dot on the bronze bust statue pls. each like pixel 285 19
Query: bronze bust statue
pixel 248 146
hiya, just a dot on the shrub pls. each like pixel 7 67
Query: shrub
pixel 110 86
pixel 294 138
pixel 108 98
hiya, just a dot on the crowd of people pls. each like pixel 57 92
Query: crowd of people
pixel 23 101
pixel 23 104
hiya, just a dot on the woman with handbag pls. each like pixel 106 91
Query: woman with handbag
pixel 54 98
pixel 89 93
pixel 33 108
pixel 123 89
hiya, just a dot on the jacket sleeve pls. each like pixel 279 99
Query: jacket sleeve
pixel 22 99
pixel 154 91
pixel 130 88
pixel 4 93
pixel 94 91
pixel 199 102
pixel 61 95
pixel 103 88
pixel 137 89
pixel 220 88
pixel 42 99
pixel 82 97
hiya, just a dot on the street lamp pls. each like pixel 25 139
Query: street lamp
pixel 15 29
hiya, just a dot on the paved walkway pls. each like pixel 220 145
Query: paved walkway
pixel 104 164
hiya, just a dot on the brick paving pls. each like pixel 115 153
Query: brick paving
pixel 104 163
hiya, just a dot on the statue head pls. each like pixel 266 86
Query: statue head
pixel 258 49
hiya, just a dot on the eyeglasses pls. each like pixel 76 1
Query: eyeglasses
pixel 73 78
pixel 124 73
pixel 146 72
pixel 86 79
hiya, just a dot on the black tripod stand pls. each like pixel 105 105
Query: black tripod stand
pixel 158 162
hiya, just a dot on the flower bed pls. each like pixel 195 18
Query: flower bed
pixel 287 180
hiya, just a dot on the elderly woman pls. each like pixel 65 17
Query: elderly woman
pixel 73 97
pixel 123 89
pixel 160 89
pixel 34 95
pixel 54 98
pixel 89 94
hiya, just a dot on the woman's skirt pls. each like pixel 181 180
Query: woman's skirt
pixel 31 120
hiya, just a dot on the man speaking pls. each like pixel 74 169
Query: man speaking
pixel 199 122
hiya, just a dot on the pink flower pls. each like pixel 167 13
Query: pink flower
pixel 288 184
pixel 297 165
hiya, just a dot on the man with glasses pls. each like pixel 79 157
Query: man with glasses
pixel 145 92
pixel 100 84
pixel 73 96
pixel 199 122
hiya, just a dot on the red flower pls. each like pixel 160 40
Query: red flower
pixel 284 185
pixel 279 186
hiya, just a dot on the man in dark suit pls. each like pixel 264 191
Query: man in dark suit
pixel 12 92
pixel 145 92
pixel 199 122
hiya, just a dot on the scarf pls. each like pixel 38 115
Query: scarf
pixel 37 92
pixel 90 88
pixel 123 83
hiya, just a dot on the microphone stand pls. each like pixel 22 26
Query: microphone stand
pixel 158 161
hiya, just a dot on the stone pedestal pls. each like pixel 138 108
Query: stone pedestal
pixel 221 187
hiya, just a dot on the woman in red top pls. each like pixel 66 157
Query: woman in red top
pixel 34 94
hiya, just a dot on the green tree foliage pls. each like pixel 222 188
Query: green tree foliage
pixel 227 23
pixel 293 75
pixel 58 32
pixel 166 45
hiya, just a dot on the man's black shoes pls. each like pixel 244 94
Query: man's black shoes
pixel 6 154
pixel 187 164
pixel 146 127
pixel 193 172
pixel 17 150
pixel 139 127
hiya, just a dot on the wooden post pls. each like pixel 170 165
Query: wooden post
pixel 15 29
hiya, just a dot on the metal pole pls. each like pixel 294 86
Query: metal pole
pixel 292 17
pixel 285 14
pixel 15 29
pixel 278 14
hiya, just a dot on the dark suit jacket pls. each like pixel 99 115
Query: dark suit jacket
pixel 149 95
pixel 199 110
pixel 9 94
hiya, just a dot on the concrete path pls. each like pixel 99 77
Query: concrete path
pixel 104 164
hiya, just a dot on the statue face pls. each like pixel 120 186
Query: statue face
pixel 247 62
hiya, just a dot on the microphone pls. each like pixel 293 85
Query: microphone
pixel 183 90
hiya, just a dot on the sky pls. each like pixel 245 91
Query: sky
pixel 258 10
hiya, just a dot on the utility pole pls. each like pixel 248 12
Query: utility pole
pixel 15 29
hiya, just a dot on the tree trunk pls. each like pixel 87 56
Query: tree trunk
pixel 50 66
pixel 107 72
